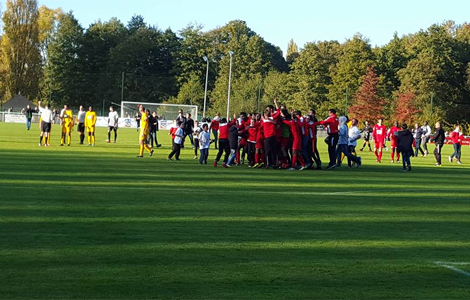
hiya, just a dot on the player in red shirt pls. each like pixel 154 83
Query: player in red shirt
pixel 252 135
pixel 224 145
pixel 260 158
pixel 331 123
pixel 297 142
pixel 457 137
pixel 214 126
pixel 392 135
pixel 269 124
pixel 243 123
pixel 379 134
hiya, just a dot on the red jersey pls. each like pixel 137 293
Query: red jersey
pixel 215 124
pixel 392 135
pixel 172 132
pixel 312 130
pixel 332 123
pixel 224 128
pixel 269 124
pixel 456 137
pixel 253 133
pixel 303 126
pixel 295 128
pixel 379 133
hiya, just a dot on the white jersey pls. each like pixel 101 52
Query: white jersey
pixel 46 114
pixel 113 118
pixel 204 140
pixel 354 135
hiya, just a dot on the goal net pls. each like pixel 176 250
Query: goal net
pixel 166 113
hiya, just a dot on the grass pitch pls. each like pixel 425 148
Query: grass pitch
pixel 98 223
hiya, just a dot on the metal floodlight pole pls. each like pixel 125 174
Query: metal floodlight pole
pixel 206 59
pixel 229 84
pixel 122 87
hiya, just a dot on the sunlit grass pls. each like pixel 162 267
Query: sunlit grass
pixel 97 223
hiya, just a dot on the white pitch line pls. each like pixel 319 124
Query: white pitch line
pixel 450 267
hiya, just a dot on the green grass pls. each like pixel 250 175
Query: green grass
pixel 98 223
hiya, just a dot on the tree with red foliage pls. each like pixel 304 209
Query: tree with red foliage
pixel 405 110
pixel 368 105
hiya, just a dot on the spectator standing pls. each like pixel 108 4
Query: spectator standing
pixel 439 140
pixel 457 138
pixel 426 137
pixel 28 112
pixel 405 146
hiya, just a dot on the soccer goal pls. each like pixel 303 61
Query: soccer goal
pixel 167 113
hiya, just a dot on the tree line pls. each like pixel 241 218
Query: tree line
pixel 46 54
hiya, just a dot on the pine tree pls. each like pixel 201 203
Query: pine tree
pixel 369 106
pixel 292 52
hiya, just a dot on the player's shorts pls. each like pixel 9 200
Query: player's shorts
pixel 67 128
pixel 243 142
pixel 393 144
pixel 91 129
pixel 81 127
pixel 297 145
pixel 144 135
pixel 111 128
pixel 45 127
pixel 379 145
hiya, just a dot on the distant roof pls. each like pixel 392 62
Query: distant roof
pixel 18 102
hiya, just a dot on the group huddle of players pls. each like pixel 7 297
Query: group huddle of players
pixel 288 140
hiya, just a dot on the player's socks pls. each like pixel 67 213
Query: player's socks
pixel 147 148
pixel 89 139
pixel 294 161
pixel 115 137
pixel 380 156
pixel 69 139
pixel 257 157
pixel 93 139
pixel 40 140
pixel 398 156
pixel 109 136
pixel 141 151
pixel 376 154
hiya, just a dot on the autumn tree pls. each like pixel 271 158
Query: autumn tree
pixel 21 58
pixel 368 105
pixel 405 109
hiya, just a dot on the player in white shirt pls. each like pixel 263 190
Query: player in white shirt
pixel 113 121
pixel 354 135
pixel 81 124
pixel 46 123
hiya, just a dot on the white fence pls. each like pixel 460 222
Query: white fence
pixel 100 122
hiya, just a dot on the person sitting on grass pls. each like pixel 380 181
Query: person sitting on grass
pixel 405 146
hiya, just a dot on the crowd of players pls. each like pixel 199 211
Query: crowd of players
pixel 278 138
pixel 288 140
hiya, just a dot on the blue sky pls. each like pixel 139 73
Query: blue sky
pixel 279 21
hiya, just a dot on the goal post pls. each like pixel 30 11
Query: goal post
pixel 166 113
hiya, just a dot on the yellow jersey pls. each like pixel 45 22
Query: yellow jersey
pixel 144 124
pixel 68 118
pixel 90 119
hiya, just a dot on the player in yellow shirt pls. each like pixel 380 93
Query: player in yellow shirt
pixel 66 118
pixel 90 122
pixel 144 132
